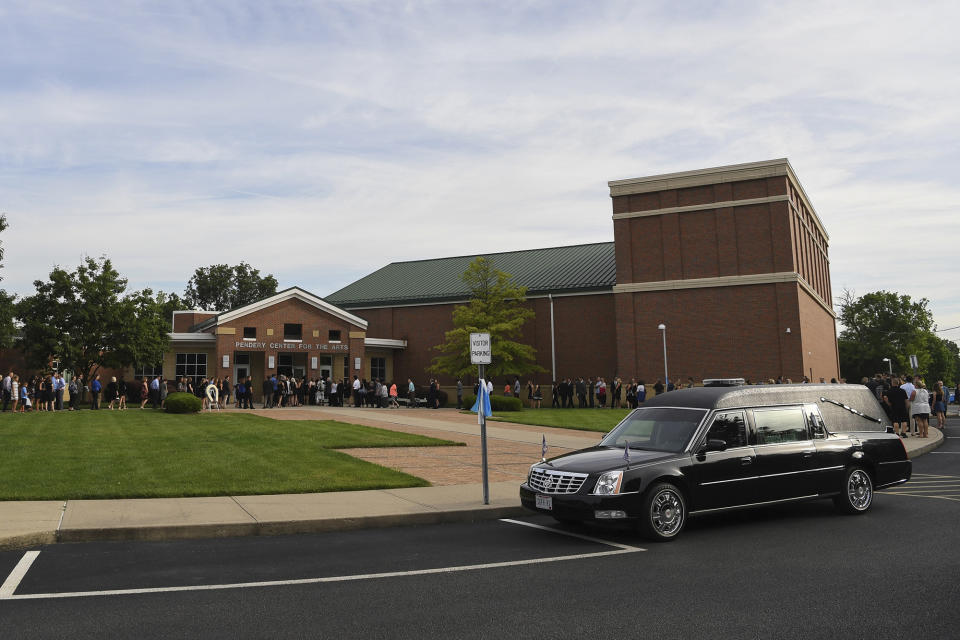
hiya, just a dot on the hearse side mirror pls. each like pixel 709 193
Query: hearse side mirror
pixel 715 445
pixel 889 430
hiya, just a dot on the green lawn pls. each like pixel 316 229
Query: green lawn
pixel 150 454
pixel 601 420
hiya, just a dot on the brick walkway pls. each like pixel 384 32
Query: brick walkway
pixel 511 449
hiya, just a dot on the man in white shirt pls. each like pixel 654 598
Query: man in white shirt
pixel 356 391
pixel 909 387
pixel 7 389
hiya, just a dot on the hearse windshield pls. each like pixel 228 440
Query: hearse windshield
pixel 656 429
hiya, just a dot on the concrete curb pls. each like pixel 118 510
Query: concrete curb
pixel 935 442
pixel 185 532
pixel 27 540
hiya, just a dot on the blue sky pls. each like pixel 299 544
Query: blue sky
pixel 321 140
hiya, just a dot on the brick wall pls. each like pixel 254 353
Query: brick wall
pixel 585 336
pixel 723 331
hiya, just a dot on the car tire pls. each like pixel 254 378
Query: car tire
pixel 663 513
pixel 856 494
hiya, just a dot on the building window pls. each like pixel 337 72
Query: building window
pixel 378 368
pixel 242 358
pixel 148 371
pixel 293 332
pixel 249 333
pixel 346 367
pixel 333 335
pixel 191 365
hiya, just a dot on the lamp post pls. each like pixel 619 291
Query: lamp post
pixel 666 378
pixel 889 365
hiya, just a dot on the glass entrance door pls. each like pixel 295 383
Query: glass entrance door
pixel 241 367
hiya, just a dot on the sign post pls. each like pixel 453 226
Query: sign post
pixel 480 355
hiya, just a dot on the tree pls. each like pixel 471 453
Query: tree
pixel 6 301
pixel 86 320
pixel 882 325
pixel 168 303
pixel 496 306
pixel 221 287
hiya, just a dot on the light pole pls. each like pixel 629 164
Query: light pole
pixel 889 365
pixel 666 378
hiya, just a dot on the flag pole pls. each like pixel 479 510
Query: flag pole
pixel 483 434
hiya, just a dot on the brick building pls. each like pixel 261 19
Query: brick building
pixel 732 261
pixel 293 332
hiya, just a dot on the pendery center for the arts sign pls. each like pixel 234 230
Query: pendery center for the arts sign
pixel 291 346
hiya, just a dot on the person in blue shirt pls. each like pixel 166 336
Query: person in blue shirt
pixel 95 388
pixel 58 386
pixel 155 391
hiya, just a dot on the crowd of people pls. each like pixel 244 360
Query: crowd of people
pixel 50 392
pixel 906 399
pixel 909 403
pixel 278 391
pixel 588 392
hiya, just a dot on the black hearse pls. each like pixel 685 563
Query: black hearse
pixel 711 448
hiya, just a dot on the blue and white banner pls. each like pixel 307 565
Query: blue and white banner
pixel 483 402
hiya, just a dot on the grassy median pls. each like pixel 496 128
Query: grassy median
pixel 601 420
pixel 151 454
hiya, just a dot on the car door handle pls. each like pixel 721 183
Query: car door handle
pixel 746 460
pixel 808 453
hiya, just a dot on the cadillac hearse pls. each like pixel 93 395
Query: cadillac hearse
pixel 712 448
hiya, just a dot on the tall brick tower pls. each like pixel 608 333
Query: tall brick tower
pixel 734 262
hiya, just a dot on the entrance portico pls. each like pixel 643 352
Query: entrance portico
pixel 292 333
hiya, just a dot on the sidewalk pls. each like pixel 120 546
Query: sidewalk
pixel 454 471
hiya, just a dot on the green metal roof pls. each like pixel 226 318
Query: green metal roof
pixel 583 267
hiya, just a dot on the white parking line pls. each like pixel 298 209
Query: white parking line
pixel 924 495
pixel 573 535
pixel 13 580
pixel 7 594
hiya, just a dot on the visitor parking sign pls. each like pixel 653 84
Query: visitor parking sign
pixel 480 348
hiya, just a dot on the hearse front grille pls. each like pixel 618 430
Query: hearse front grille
pixel 548 481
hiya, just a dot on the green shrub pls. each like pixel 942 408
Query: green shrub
pixel 497 403
pixel 182 403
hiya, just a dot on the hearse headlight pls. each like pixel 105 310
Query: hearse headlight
pixel 608 484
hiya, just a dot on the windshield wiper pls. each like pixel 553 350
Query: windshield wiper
pixel 852 410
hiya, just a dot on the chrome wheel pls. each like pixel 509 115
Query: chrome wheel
pixel 667 512
pixel 859 490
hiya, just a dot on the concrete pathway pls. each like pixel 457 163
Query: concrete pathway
pixel 454 471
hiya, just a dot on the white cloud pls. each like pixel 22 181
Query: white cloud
pixel 320 141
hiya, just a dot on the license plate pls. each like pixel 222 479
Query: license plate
pixel 545 502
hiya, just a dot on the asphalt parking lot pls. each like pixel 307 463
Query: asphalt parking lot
pixel 113 569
